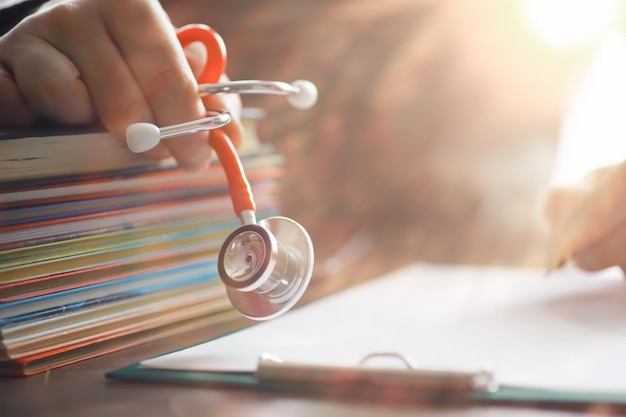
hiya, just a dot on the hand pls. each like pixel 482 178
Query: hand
pixel 588 220
pixel 116 60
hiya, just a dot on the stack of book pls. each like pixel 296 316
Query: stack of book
pixel 101 249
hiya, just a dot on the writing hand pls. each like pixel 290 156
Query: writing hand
pixel 588 220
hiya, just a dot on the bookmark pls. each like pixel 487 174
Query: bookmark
pixel 407 379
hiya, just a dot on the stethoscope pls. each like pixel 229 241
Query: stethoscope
pixel 266 266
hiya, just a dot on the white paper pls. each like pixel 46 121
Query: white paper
pixel 564 331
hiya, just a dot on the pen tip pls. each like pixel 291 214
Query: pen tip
pixel 558 263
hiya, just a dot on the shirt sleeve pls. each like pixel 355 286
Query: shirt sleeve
pixel 12 11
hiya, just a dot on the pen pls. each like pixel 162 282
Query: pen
pixel 558 262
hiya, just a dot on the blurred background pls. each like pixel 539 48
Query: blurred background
pixel 438 123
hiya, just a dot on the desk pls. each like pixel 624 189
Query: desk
pixel 81 390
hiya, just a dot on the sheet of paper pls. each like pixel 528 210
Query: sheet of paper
pixel 565 331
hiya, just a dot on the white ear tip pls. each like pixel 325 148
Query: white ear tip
pixel 141 137
pixel 306 98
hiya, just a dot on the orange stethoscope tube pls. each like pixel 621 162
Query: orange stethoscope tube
pixel 238 185
pixel 265 266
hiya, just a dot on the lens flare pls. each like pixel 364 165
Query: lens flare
pixel 567 23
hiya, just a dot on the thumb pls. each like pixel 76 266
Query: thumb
pixel 197 57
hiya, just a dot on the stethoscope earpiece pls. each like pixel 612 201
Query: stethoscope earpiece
pixel 305 97
pixel 141 137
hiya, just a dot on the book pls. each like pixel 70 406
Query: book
pixel 113 325
pixel 95 257
pixel 38 154
pixel 101 345
pixel 27 154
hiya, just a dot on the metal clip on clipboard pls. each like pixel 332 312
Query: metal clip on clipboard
pixel 364 379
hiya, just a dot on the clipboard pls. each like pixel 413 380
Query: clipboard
pixel 374 384
pixel 273 373
pixel 407 381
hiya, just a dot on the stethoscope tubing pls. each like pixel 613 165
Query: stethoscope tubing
pixel 239 187
pixel 277 283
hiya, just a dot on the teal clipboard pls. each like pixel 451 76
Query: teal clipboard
pixel 503 394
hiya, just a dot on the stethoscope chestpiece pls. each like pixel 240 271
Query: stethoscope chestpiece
pixel 266 267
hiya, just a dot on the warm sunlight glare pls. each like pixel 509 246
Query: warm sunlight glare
pixel 594 129
pixel 565 23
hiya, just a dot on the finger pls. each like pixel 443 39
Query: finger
pixel 604 253
pixel 114 93
pixel 557 208
pixel 196 55
pixel 14 110
pixel 234 129
pixel 598 206
pixel 158 63
pixel 558 203
pixel 231 103
pixel 49 81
